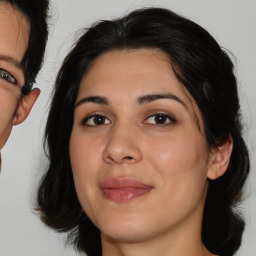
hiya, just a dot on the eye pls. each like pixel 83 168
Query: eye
pixel 95 120
pixel 160 119
pixel 8 77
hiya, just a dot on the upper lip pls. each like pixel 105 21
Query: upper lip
pixel 124 182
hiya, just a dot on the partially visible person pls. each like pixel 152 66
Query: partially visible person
pixel 145 141
pixel 23 37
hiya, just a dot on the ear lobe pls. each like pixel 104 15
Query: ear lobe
pixel 25 105
pixel 219 160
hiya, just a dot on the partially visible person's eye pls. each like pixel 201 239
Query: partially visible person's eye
pixel 8 77
pixel 95 120
pixel 160 119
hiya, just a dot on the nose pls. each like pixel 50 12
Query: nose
pixel 122 146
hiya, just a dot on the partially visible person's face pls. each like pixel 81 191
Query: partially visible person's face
pixel 14 36
pixel 140 162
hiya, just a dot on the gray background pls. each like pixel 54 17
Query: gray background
pixel 231 22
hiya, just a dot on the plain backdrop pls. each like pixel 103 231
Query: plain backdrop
pixel 231 22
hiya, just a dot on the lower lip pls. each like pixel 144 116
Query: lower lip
pixel 124 194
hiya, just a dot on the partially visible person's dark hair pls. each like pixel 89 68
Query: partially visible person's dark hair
pixel 204 69
pixel 37 13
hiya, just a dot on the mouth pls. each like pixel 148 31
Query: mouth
pixel 123 189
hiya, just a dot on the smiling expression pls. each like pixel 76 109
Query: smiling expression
pixel 14 34
pixel 139 159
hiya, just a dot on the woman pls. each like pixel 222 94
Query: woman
pixel 23 28
pixel 144 140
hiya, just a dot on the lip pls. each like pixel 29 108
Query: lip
pixel 123 189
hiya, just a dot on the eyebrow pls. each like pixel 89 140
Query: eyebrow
pixel 152 97
pixel 141 100
pixel 93 99
pixel 12 60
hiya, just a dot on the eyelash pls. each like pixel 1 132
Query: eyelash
pixel 172 120
pixel 92 117
pixel 8 77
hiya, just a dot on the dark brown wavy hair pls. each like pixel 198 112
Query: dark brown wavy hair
pixel 207 73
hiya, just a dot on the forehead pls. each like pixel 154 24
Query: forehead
pixel 129 69
pixel 134 71
pixel 14 31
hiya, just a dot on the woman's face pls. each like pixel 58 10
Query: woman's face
pixel 139 159
pixel 14 34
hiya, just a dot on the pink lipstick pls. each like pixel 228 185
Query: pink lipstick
pixel 123 189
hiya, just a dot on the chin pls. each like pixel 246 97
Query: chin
pixel 125 235
pixel 129 229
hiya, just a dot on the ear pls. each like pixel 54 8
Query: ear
pixel 25 105
pixel 219 159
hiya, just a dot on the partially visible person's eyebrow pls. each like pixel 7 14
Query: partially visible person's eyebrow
pixel 12 60
pixel 152 97
pixel 93 99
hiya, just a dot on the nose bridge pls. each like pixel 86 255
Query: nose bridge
pixel 122 144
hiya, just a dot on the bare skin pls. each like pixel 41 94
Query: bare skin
pixel 134 122
pixel 14 36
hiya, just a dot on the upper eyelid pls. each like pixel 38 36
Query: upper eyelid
pixel 93 114
pixel 13 76
pixel 7 71
pixel 171 117
pixel 146 116
pixel 96 114
pixel 159 112
pixel 15 70
pixel 12 61
pixel 112 115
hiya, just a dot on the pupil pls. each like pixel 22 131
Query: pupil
pixel 160 119
pixel 5 76
pixel 99 120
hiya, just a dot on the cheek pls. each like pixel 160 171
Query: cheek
pixel 178 153
pixel 9 99
pixel 182 172
pixel 84 154
pixel 84 157
pixel 181 162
